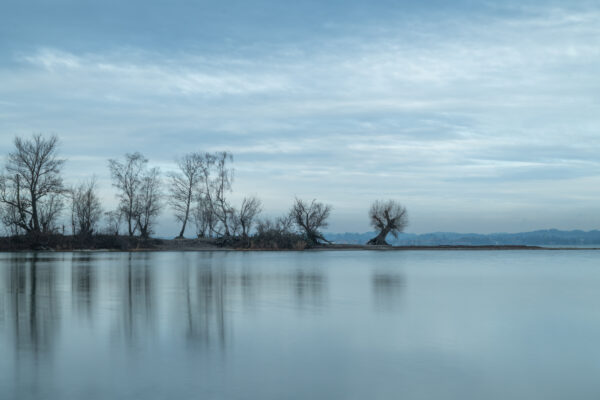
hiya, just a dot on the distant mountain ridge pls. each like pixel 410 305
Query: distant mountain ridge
pixel 546 237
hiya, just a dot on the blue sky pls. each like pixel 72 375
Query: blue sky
pixel 478 116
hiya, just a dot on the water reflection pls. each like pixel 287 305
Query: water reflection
pixel 83 284
pixel 310 288
pixel 31 303
pixel 205 305
pixel 387 290
pixel 137 298
pixel 299 325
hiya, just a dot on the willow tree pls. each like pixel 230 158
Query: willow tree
pixel 387 217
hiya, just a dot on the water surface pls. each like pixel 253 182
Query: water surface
pixel 300 325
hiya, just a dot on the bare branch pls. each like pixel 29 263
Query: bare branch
pixel 310 218
pixel 32 188
pixel 387 217
pixel 184 186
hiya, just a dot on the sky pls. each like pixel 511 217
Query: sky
pixel 478 116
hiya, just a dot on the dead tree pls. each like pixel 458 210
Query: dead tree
pixel 86 209
pixel 32 185
pixel 184 187
pixel 387 217
pixel 310 218
pixel 127 178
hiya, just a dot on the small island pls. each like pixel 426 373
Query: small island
pixel 39 211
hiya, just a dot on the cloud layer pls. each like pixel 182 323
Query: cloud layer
pixel 479 121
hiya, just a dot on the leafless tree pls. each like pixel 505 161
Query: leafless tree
pixel 49 212
pixel 12 217
pixel 221 185
pixel 127 177
pixel 217 178
pixel 280 226
pixel 249 210
pixel 32 185
pixel 148 202
pixel 113 221
pixel 205 197
pixel 310 218
pixel 86 209
pixel 235 225
pixel 203 218
pixel 184 186
pixel 387 217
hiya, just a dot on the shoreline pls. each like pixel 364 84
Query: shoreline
pixel 105 243
pixel 334 247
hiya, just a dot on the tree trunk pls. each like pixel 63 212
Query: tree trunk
pixel 187 215
pixel 34 213
pixel 379 240
pixel 130 217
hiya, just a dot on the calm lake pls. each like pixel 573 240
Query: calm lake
pixel 301 325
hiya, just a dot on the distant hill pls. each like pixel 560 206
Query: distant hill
pixel 547 237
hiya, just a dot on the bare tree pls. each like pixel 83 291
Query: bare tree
pixel 86 209
pixel 184 186
pixel 32 185
pixel 205 197
pixel 14 215
pixel 387 217
pixel 113 221
pixel 221 185
pixel 249 210
pixel 202 218
pixel 279 226
pixel 148 202
pixel 217 178
pixel 310 218
pixel 127 178
pixel 49 212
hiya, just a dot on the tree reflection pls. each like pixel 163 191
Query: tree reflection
pixel 387 289
pixel 309 288
pixel 31 306
pixel 83 283
pixel 206 297
pixel 137 298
